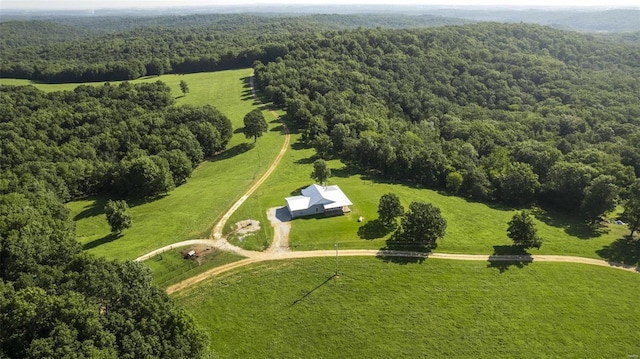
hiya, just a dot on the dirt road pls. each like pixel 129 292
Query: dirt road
pixel 279 249
pixel 217 230
pixel 264 256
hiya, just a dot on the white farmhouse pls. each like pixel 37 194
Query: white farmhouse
pixel 329 200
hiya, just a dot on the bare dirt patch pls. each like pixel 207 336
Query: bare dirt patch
pixel 247 226
pixel 199 252
pixel 281 222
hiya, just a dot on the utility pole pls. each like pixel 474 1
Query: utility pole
pixel 336 246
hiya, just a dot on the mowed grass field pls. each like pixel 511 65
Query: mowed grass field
pixel 472 227
pixel 433 309
pixel 190 210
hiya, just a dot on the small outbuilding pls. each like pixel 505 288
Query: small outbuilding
pixel 328 200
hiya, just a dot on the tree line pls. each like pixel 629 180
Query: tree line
pixel 58 302
pixel 127 139
pixel 494 112
pixel 112 49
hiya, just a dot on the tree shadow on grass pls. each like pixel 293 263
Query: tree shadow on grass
pixel 278 128
pixel 624 250
pixel 94 209
pixel 308 160
pixel 403 253
pixel 246 81
pixel 233 151
pixel 299 145
pixel 373 229
pixel 298 191
pixel 98 242
pixel 134 201
pixel 572 226
pixel 344 172
pixel 312 290
pixel 504 257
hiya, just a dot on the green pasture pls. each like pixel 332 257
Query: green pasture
pixel 472 227
pixel 190 210
pixel 435 309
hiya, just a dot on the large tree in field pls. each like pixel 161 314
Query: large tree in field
pixel 522 231
pixel 599 197
pixel 184 87
pixel 254 124
pixel 389 208
pixel 422 224
pixel 118 216
pixel 632 208
pixel 321 171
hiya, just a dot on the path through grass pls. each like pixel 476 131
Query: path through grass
pixel 190 210
pixel 435 309
pixel 472 227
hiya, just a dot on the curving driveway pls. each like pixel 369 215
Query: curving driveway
pixel 279 247
pixel 265 256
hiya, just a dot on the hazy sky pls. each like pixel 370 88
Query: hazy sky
pixel 100 4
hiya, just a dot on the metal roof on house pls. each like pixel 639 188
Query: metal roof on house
pixel 329 197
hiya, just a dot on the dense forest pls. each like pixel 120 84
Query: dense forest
pixel 82 49
pixel 111 49
pixel 55 301
pixel 514 113
pixel 510 113
pixel 125 139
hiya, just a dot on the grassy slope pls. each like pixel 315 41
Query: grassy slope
pixel 434 309
pixel 472 227
pixel 190 210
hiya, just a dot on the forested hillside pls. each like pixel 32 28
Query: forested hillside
pixel 127 140
pixel 510 113
pixel 514 113
pixel 56 302
pixel 124 139
pixel 107 49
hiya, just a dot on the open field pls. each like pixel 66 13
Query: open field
pixel 190 210
pixel 436 308
pixel 472 227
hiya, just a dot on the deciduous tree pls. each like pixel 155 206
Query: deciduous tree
pixel 599 197
pixel 254 124
pixel 632 208
pixel 454 181
pixel 422 225
pixel 321 171
pixel 118 216
pixel 522 231
pixel 184 87
pixel 519 184
pixel 389 207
